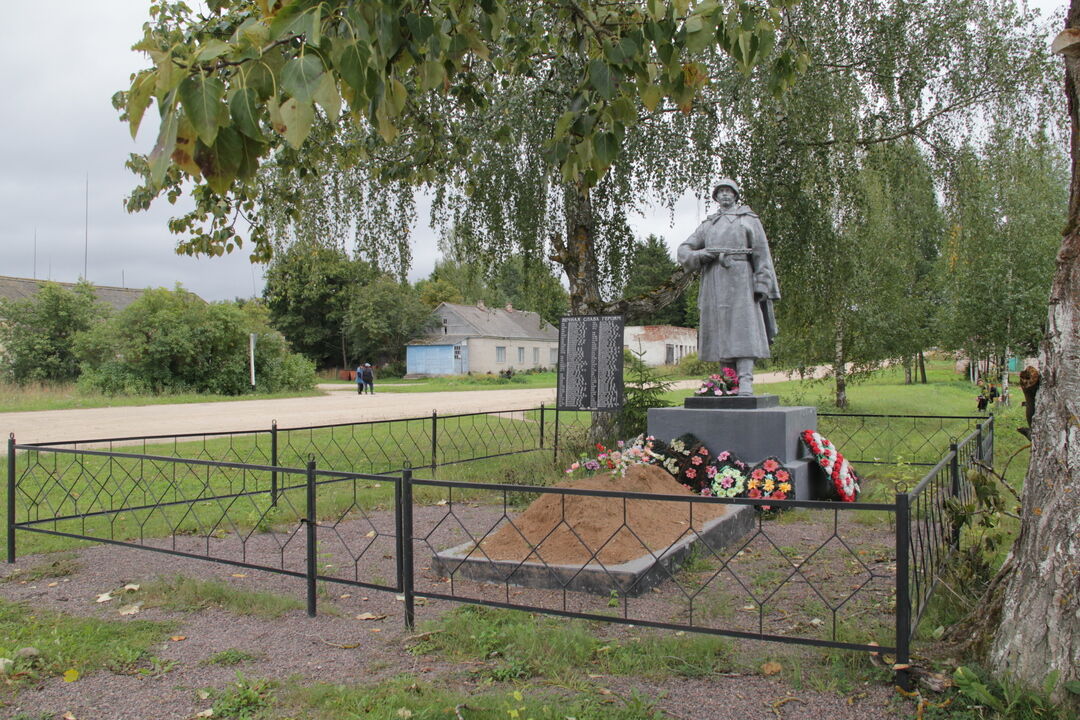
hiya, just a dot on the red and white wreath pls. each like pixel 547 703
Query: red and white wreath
pixel 839 470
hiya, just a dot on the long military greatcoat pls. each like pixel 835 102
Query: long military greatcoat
pixel 733 324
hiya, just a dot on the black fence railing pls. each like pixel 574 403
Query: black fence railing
pixel 847 575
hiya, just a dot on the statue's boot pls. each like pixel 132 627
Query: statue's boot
pixel 744 368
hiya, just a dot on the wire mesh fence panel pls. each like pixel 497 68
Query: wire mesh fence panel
pixel 816 573
pixel 358 529
pixel 894 439
pixel 477 436
pixel 371 447
pixel 196 507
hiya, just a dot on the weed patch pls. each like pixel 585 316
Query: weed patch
pixel 184 594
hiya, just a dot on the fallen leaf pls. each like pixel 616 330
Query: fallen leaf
pixel 771 668
pixel 178 638
pixel 208 712
pixel 53 584
pixel 71 675
pixel 370 616
pixel 604 691
pixel 68 716
pixel 203 694
pixel 345 596
pixel 441 502
pixel 131 609
pixel 104 597
pixel 404 712
pixel 131 587
pixel 239 575
pixel 370 534
pixel 375 629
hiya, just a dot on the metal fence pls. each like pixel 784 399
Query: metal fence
pixel 338 503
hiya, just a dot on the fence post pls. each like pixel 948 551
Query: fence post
pixel 11 498
pixel 274 462
pixel 541 426
pixel 434 440
pixel 407 548
pixel 312 537
pixel 979 442
pixel 555 445
pixel 954 481
pixel 903 591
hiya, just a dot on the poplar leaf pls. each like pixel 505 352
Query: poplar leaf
pixel 432 75
pixel 353 66
pixel 600 79
pixel 213 49
pixel 201 97
pixel 139 96
pixel 71 675
pixel 300 77
pixel 651 97
pixel 245 112
pixel 328 98
pixel 396 96
pixel 159 159
pixel 297 118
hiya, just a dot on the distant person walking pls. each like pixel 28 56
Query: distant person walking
pixel 369 378
pixel 359 379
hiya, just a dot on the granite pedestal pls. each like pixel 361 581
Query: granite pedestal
pixel 753 427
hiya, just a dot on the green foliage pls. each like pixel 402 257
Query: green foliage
pixel 62 566
pixel 245 699
pixel 643 389
pixel 250 81
pixel 171 341
pixel 650 265
pixel 525 283
pixel 1007 204
pixel 37 334
pixel 232 656
pixel 308 288
pixel 691 366
pixel 383 316
pixel 976 692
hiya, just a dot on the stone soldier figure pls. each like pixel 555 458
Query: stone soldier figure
pixel 738 285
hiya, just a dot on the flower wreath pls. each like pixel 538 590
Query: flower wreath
pixel 726 382
pixel 770 479
pixel 730 478
pixel 689 461
pixel 844 479
pixel 616 460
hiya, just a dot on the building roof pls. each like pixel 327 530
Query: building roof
pixel 480 321
pixel 14 288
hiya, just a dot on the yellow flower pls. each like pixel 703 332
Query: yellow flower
pixel 785 487
pixel 752 483
pixel 769 486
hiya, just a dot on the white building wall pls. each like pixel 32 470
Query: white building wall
pixel 483 354
pixel 661 344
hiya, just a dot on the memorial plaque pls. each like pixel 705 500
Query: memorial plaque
pixel 590 362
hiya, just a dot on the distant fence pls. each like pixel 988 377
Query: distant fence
pixel 268 499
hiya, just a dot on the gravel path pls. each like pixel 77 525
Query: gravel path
pixel 337 647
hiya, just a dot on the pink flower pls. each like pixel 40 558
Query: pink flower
pixel 710 471
pixel 723 456
pixel 770 465
pixel 703 451
pixel 782 475
pixel 757 474
pixel 754 493
pixel 696 460
pixel 707 492
pixel 691 473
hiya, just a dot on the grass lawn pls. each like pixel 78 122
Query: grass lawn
pixel 23 398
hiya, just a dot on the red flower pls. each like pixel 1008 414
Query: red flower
pixel 757 473
pixel 691 473
pixel 703 451
pixel 696 460
pixel 782 475
pixel 754 493
pixel 770 465
pixel 780 495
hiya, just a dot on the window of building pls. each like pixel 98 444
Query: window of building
pixel 669 355
pixel 553 356
pixel 500 354
pixel 457 352
pixel 536 356
pixel 521 356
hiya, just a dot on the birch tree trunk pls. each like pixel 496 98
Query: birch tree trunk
pixel 840 367
pixel 1039 631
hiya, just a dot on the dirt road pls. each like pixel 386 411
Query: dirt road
pixel 339 404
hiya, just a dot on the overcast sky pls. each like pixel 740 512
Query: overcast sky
pixel 61 62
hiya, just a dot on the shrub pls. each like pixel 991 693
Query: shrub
pixel 37 334
pixel 171 342
pixel 690 365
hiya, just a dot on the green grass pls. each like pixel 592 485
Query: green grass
pixel 184 594
pixel 457 383
pixel 61 566
pixel 407 697
pixel 232 656
pixel 67 396
pixel 65 643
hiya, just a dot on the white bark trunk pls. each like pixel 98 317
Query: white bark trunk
pixel 1039 631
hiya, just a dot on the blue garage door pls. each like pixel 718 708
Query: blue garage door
pixel 430 359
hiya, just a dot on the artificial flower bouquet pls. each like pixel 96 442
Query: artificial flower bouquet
pixel 726 382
